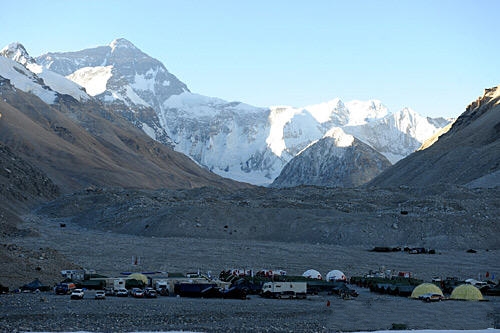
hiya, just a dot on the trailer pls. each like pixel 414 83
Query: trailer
pixel 118 284
pixel 163 287
pixel 284 290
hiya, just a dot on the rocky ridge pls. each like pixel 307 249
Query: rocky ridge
pixel 337 160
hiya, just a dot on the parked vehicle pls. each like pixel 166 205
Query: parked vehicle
pixel 118 284
pixel 100 294
pixel 284 289
pixel 122 292
pixel 431 297
pixel 64 288
pixel 150 293
pixel 137 293
pixel 162 287
pixel 77 294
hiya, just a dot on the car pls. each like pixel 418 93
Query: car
pixel 77 294
pixel 150 293
pixel 100 294
pixel 431 297
pixel 122 293
pixel 137 293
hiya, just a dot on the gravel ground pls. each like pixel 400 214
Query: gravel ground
pixel 369 311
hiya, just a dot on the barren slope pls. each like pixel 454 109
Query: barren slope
pixel 469 151
pixel 79 145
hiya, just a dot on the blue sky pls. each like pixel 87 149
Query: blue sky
pixel 433 56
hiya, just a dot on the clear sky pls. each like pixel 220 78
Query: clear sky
pixel 434 56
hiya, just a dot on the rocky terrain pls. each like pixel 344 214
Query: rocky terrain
pixel 445 216
pixel 337 160
pixel 468 154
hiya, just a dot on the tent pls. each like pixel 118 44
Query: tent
pixel 335 275
pixel 466 292
pixel 35 285
pixel 312 274
pixel 139 277
pixel 426 288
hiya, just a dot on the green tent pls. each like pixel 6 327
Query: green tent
pixel 466 292
pixel 425 288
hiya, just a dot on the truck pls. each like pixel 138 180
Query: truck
pixel 64 288
pixel 284 289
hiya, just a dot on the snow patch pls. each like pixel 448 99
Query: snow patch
pixel 341 138
pixel 145 81
pixel 196 105
pixel 132 96
pixel 278 118
pixel 93 79
pixel 121 43
pixel 323 112
pixel 149 131
pixel 360 112
pixel 23 79
pixel 58 82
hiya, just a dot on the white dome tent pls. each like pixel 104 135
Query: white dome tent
pixel 335 275
pixel 312 274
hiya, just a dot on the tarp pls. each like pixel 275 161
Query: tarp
pixel 312 274
pixel 335 275
pixel 426 288
pixel 466 292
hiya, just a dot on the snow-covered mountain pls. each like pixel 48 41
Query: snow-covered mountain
pixel 336 160
pixel 121 75
pixel 232 139
pixel 29 76
pixel 78 141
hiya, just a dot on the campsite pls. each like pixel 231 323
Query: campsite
pixel 316 313
pixel 111 255
pixel 334 302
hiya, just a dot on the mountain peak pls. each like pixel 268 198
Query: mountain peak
pixel 121 43
pixel 17 52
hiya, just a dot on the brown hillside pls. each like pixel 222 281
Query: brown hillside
pixel 78 145
pixel 468 153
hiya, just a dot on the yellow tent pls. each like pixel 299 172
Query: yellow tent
pixel 426 288
pixel 466 292
pixel 139 277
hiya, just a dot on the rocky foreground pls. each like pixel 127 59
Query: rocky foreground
pixel 49 312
